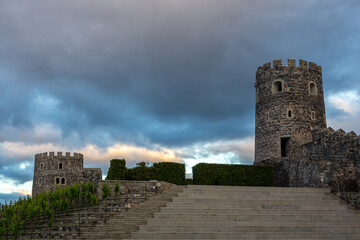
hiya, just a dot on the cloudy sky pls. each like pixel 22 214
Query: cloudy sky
pixel 153 80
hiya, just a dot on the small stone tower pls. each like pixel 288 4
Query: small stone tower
pixel 289 104
pixel 52 171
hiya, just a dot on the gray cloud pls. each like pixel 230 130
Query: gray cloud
pixel 172 73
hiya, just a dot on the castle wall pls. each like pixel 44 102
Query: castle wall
pixel 52 171
pixel 92 174
pixel 48 173
pixel 273 119
pixel 135 188
pixel 330 159
pixel 337 154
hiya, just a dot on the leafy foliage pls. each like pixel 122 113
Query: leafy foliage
pixel 231 174
pixel 117 170
pixel 170 172
pixel 189 182
pixel 142 172
pixel 162 171
pixel 105 191
pixel 117 188
pixel 14 215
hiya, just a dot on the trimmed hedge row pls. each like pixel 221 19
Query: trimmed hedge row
pixel 170 172
pixel 233 175
pixel 117 170
pixel 162 171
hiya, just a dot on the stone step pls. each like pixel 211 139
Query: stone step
pixel 226 201
pixel 244 229
pixel 166 222
pixel 111 227
pixel 251 206
pixel 121 224
pixel 255 189
pixel 318 197
pixel 248 235
pixel 235 210
pixel 256 217
pixel 259 194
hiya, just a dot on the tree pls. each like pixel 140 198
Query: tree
pixel 117 170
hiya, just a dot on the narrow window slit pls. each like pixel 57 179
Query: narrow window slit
pixel 285 146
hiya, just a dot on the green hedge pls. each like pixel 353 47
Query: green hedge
pixel 140 173
pixel 162 171
pixel 233 175
pixel 170 172
pixel 117 170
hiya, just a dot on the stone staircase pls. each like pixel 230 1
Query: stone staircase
pixel 120 226
pixel 226 212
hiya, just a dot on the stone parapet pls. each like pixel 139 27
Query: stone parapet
pixel 137 188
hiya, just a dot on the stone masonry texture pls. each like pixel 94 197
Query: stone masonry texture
pixel 303 151
pixel 51 171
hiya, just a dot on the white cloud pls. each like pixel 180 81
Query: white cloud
pixel 91 152
pixel 240 151
pixel 130 153
pixel 10 186
pixel 348 102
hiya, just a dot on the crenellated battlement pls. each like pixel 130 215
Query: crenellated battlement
pixel 60 169
pixel 329 139
pixel 277 65
pixel 59 154
pixel 291 131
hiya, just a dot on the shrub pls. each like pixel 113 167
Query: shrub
pixel 142 172
pixel 105 190
pixel 116 189
pixel 233 175
pixel 117 170
pixel 189 182
pixel 350 185
pixel 169 172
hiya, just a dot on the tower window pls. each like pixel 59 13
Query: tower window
pixel 62 180
pixel 60 166
pixel 40 181
pixel 289 114
pixel 312 89
pixel 313 115
pixel 57 180
pixel 267 118
pixel 277 87
pixel 285 146
pixel 41 166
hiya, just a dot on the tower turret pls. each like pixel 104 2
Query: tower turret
pixel 51 171
pixel 289 104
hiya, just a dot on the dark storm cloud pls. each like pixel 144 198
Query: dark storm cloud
pixel 11 170
pixel 14 173
pixel 171 72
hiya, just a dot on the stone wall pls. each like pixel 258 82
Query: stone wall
pixel 295 173
pixel 134 188
pixel 91 174
pixel 284 107
pixel 330 159
pixel 337 154
pixel 315 156
pixel 51 171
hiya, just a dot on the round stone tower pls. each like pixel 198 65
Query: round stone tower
pixel 289 104
pixel 52 171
